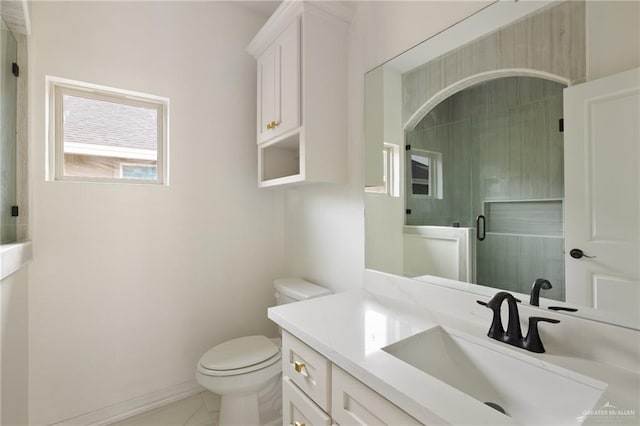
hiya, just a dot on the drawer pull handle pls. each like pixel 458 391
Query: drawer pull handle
pixel 299 366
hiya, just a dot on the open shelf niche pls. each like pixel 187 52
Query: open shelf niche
pixel 279 161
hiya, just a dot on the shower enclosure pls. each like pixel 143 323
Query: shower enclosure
pixel 490 157
pixel 8 180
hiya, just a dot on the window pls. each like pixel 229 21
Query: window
pixel 138 171
pixel 426 173
pixel 390 172
pixel 100 134
pixel 420 174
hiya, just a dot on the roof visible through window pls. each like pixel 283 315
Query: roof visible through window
pixel 97 122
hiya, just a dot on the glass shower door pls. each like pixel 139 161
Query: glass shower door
pixel 8 184
pixel 519 184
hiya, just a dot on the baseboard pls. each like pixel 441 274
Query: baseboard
pixel 113 413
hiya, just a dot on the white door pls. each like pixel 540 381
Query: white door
pixel 602 193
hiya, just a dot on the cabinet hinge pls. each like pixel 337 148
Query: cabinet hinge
pixel 407 148
pixel 14 211
pixel 15 69
pixel 408 211
pixel 561 125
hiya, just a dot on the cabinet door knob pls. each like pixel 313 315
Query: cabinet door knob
pixel 269 126
pixel 275 124
pixel 299 366
pixel 298 424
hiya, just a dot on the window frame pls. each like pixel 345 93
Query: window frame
pixel 56 88
pixel 391 172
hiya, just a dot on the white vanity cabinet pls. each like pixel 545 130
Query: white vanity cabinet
pixel 298 409
pixel 354 403
pixel 316 392
pixel 301 55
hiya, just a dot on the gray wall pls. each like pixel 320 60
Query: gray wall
pixel 550 41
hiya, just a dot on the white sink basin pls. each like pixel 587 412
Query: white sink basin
pixel 529 390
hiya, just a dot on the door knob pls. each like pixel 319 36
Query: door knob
pixel 576 253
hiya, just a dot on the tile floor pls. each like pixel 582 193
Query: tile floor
pixel 198 410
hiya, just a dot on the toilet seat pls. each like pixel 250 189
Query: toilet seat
pixel 239 356
pixel 248 369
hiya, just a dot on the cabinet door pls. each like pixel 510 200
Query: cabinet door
pixel 353 403
pixel 308 369
pixel 266 93
pixel 288 79
pixel 298 409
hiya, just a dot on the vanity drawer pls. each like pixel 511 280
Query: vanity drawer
pixel 298 409
pixel 356 404
pixel 307 369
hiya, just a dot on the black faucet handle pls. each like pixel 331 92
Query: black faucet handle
pixel 543 319
pixel 562 308
pixel 533 342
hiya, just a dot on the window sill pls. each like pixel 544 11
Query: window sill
pixel 14 256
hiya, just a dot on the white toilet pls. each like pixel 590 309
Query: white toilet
pixel 244 369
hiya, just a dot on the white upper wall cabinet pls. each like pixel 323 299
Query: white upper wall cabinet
pixel 266 93
pixel 302 94
pixel 279 85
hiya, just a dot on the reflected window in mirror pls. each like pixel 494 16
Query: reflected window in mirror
pixel 390 172
pixel 426 173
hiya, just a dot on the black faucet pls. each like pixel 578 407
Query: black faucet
pixel 513 335
pixel 538 284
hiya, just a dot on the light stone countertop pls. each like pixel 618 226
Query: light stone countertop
pixel 350 329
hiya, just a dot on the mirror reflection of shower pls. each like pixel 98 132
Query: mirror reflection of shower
pixel 495 149
pixel 8 175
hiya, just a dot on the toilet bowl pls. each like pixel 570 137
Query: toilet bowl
pixel 246 371
pixel 237 370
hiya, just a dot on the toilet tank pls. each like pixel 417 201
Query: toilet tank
pixel 290 290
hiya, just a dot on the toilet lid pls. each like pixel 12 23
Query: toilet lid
pixel 239 371
pixel 239 353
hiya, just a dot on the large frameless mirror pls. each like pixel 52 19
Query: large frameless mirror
pixel 513 144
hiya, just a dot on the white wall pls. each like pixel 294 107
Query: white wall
pixel 613 37
pixel 131 284
pixel 384 248
pixel 325 224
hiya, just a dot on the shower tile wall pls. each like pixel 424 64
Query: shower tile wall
pixel 551 41
pixel 500 142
